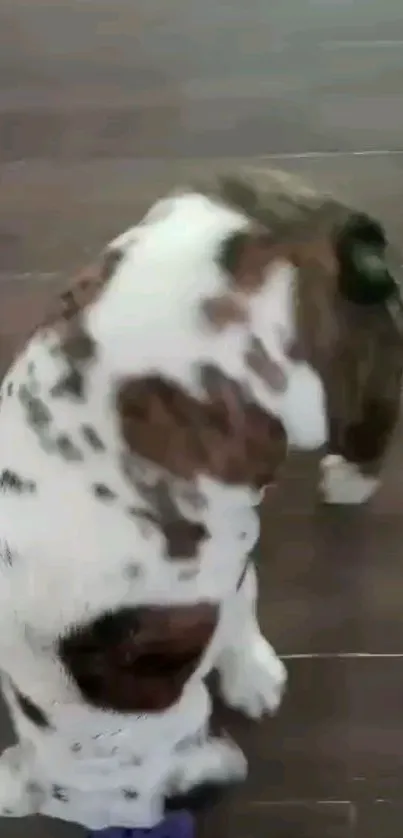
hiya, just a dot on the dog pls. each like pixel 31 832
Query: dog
pixel 139 427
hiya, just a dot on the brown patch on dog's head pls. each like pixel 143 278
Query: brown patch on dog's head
pixel 348 327
pixel 225 434
pixel 246 256
pixel 223 311
pixel 137 660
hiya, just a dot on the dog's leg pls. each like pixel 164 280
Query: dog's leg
pixel 19 794
pixel 357 446
pixel 252 677
pixel 203 765
pixel 342 482
pixel 349 474
pixel 204 769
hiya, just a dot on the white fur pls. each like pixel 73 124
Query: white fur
pixel 70 551
pixel 343 483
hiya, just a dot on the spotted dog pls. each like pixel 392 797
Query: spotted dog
pixel 138 429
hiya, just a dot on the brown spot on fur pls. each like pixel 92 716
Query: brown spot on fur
pixel 138 659
pixel 226 434
pixel 111 260
pixel 223 311
pixel 245 256
pixel 182 536
pixel 85 288
pixel 264 366
pixel 65 315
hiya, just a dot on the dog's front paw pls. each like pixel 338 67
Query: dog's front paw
pixel 218 760
pixel 341 482
pixel 253 678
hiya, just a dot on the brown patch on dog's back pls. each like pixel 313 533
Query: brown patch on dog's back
pixel 225 435
pixel 138 659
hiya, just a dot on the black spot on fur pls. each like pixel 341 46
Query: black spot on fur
pixel 11 482
pixel 136 761
pixel 79 346
pixel 69 304
pixel 91 437
pixel 10 388
pixel 182 536
pixel 188 573
pixel 132 570
pixel 38 414
pixel 33 788
pixel 243 573
pixel 112 259
pixel 60 793
pixel 67 449
pixel 7 555
pixel 146 520
pixel 103 492
pixel 71 385
pixel 130 794
pixel 135 512
pixel 31 710
pixel 76 748
pixel 191 741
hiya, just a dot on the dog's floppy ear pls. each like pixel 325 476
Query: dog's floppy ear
pixel 361 248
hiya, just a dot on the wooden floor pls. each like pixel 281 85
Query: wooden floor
pixel 103 103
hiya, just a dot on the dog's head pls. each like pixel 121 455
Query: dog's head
pixel 237 320
pixel 348 298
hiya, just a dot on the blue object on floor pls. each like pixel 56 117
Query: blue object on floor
pixel 176 825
